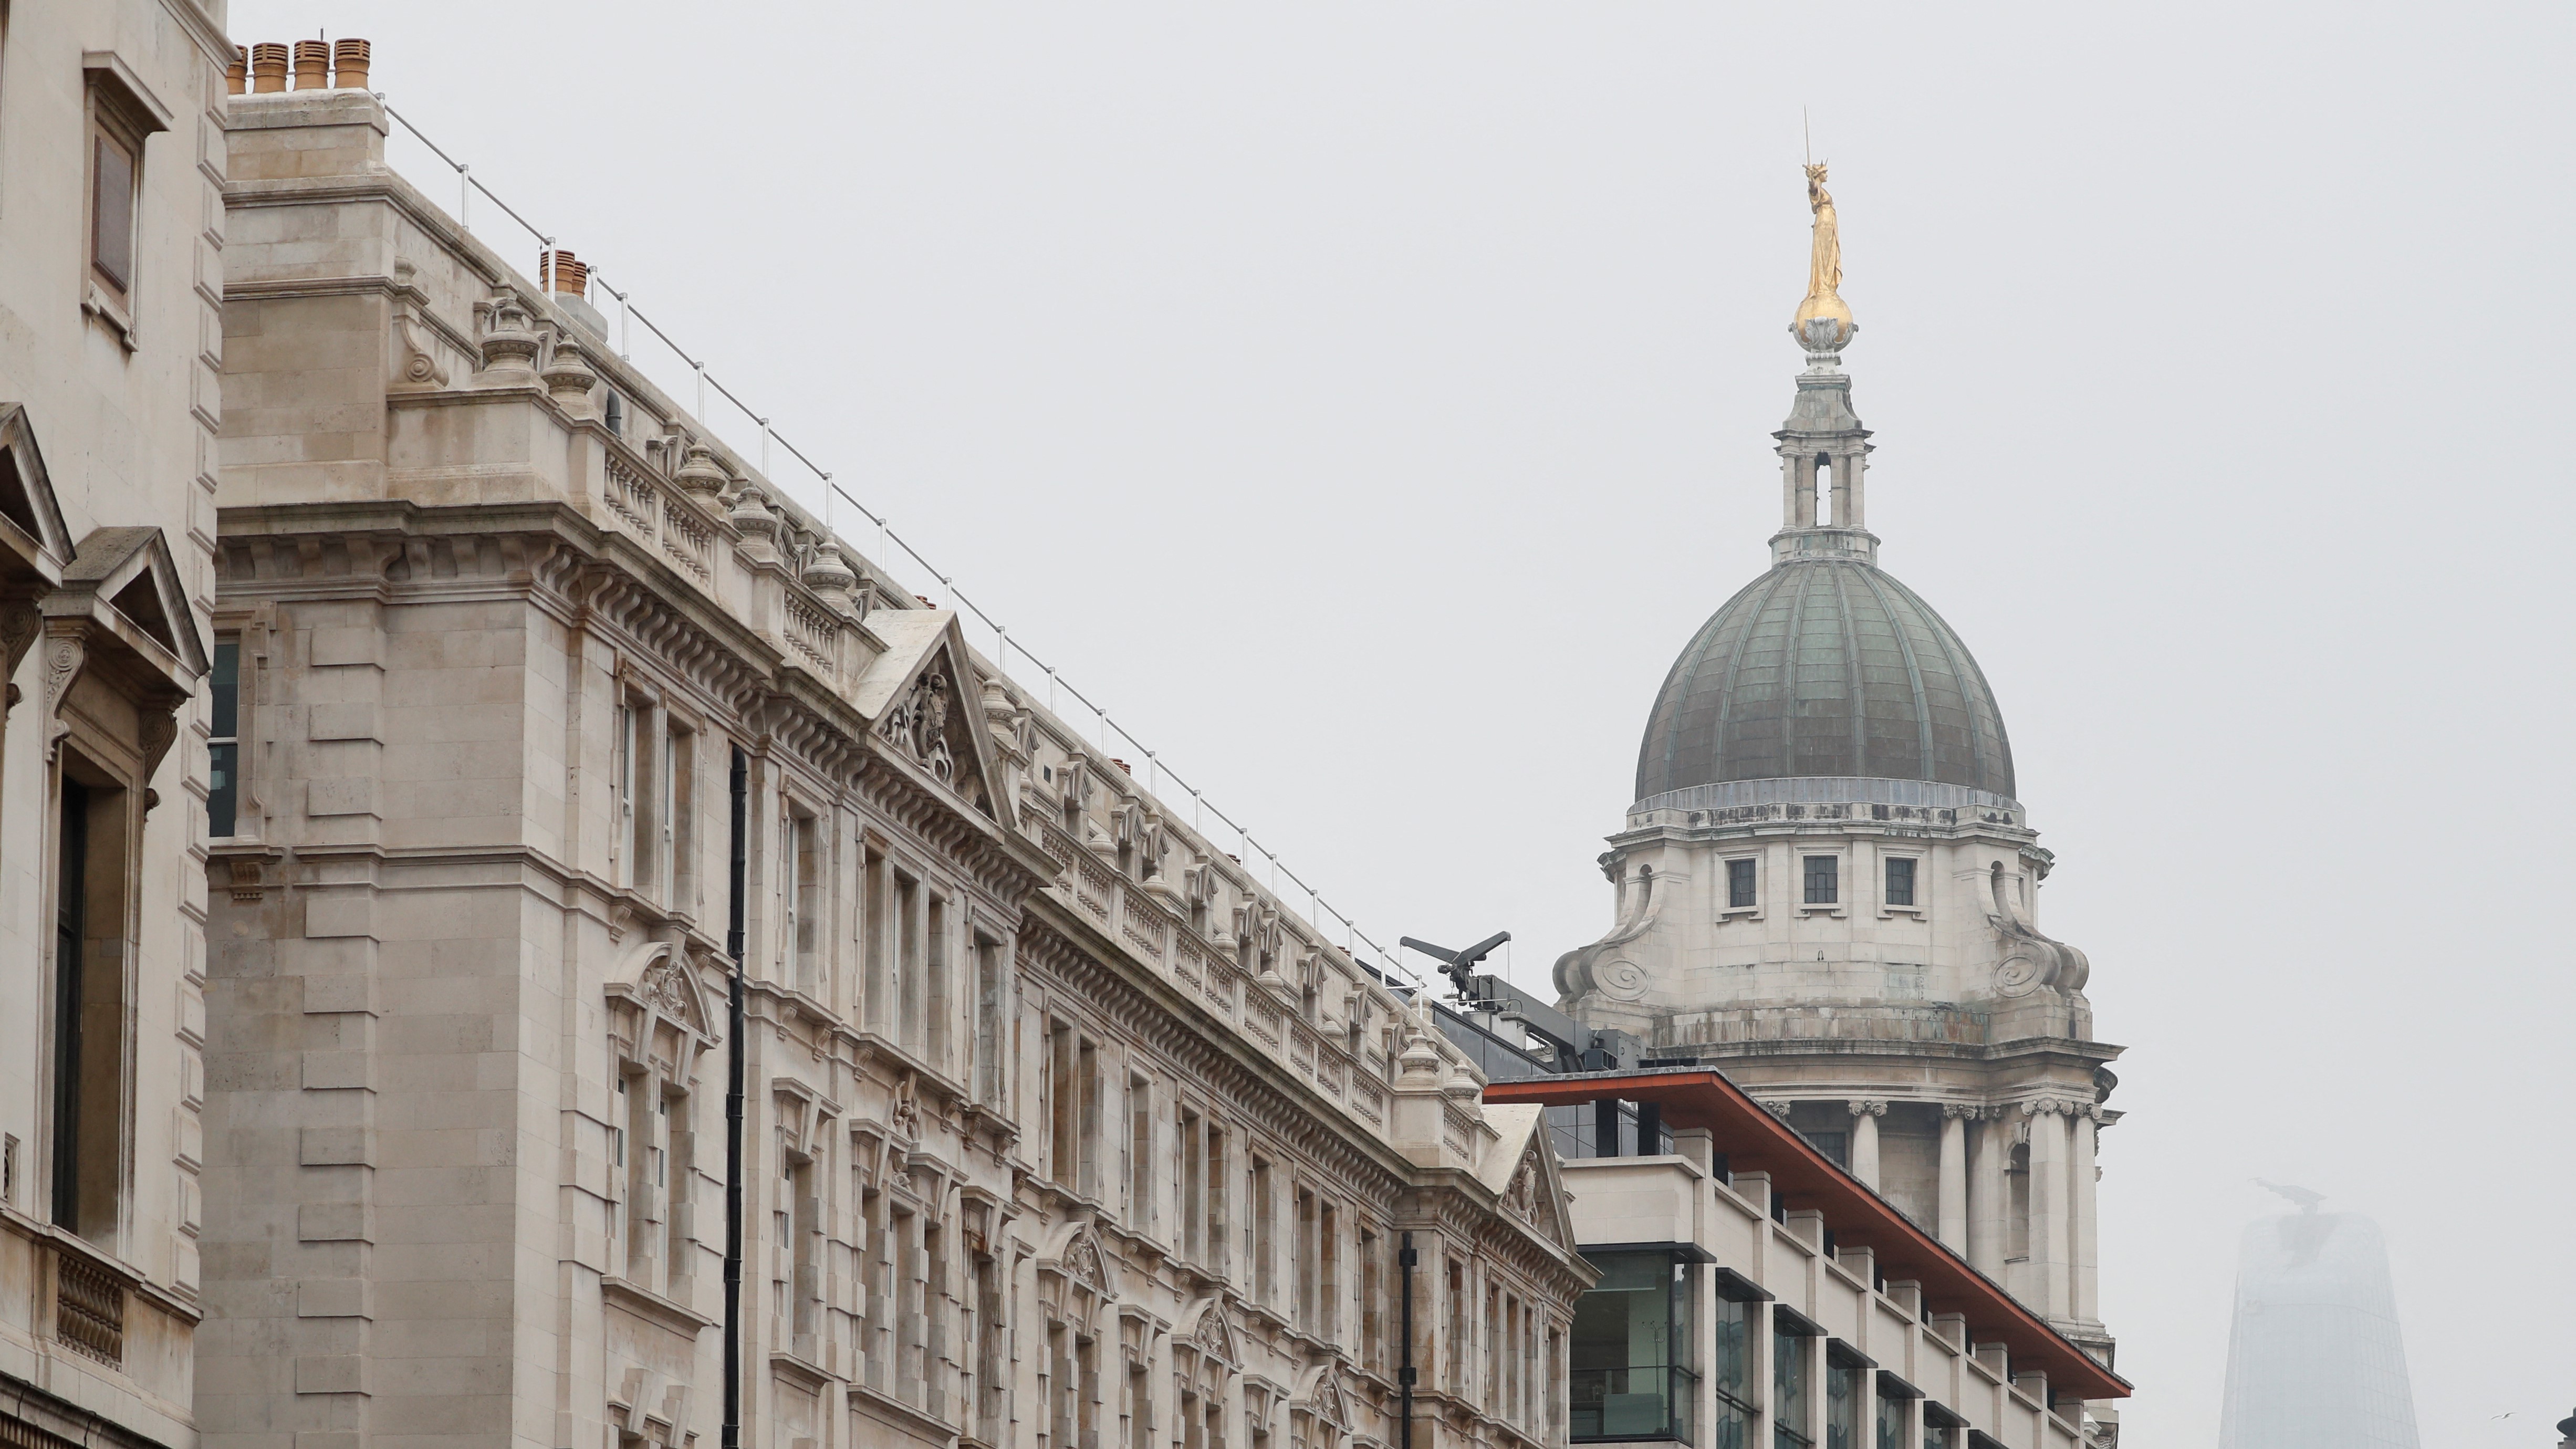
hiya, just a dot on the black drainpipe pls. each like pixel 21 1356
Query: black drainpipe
pixel 731 1435
pixel 1404 1261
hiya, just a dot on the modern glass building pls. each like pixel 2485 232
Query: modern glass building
pixel 2315 1360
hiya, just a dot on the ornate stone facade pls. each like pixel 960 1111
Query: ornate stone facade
pixel 111 271
pixel 1827 888
pixel 1060 1130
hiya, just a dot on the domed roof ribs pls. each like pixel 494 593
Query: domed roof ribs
pixel 1688 671
pixel 1954 652
pixel 1856 696
pixel 1913 669
pixel 1792 653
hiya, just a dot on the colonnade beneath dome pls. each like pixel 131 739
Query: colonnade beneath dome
pixel 2010 1186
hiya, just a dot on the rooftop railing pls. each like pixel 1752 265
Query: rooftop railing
pixel 666 361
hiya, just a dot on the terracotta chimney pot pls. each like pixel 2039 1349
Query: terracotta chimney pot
pixel 237 74
pixel 267 67
pixel 563 272
pixel 349 61
pixel 312 65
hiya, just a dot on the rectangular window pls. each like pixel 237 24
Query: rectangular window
pixel 1739 884
pixel 223 740
pixel 1943 1429
pixel 1140 1152
pixel 938 1003
pixel 1631 1369
pixel 805 900
pixel 1064 1089
pixel 1193 1168
pixel 989 991
pixel 907 961
pixel 1309 1260
pixel 1259 1233
pixel 1842 1399
pixel 1089 1179
pixel 93 873
pixel 876 936
pixel 1823 880
pixel 111 231
pixel 1328 1275
pixel 1372 1294
pixel 679 802
pixel 1900 880
pixel 1788 1389
pixel 1732 1371
pixel 1892 1416
pixel 1216 1201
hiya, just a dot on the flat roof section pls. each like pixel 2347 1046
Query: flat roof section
pixel 1804 1178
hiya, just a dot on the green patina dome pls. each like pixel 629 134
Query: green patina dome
pixel 1825 667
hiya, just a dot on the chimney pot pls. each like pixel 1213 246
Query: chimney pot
pixel 564 273
pixel 267 67
pixel 349 62
pixel 312 65
pixel 237 74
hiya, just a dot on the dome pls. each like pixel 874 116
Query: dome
pixel 1825 666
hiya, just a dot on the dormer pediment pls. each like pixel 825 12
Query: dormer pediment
pixel 921 705
pixel 35 546
pixel 123 590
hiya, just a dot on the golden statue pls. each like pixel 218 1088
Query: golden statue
pixel 1824 273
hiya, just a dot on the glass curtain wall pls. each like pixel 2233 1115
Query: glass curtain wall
pixel 1631 1371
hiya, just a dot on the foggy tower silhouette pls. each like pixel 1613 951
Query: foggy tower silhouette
pixel 2315 1360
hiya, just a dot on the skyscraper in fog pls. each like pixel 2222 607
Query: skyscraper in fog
pixel 2315 1360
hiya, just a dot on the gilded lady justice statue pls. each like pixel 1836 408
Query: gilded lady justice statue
pixel 1823 323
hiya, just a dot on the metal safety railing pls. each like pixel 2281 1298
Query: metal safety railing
pixel 629 316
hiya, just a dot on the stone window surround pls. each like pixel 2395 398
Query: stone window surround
pixel 1839 907
pixel 1921 909
pixel 123 109
pixel 1726 862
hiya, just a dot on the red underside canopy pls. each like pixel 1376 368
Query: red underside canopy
pixel 1803 1178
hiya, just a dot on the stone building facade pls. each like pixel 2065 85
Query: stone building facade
pixel 1827 886
pixel 1060 1130
pixel 111 235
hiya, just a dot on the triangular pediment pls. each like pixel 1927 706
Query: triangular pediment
pixel 1527 1183
pixel 924 704
pixel 130 570
pixel 34 540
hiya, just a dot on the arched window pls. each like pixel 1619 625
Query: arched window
pixel 1824 490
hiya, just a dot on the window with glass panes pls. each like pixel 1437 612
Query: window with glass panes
pixel 1900 880
pixel 1788 1388
pixel 223 741
pixel 1942 1429
pixel 1824 880
pixel 1893 1417
pixel 1842 1398
pixel 1739 884
pixel 1730 1370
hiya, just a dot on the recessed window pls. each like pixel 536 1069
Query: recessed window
pixel 1900 881
pixel 1943 1429
pixel 1631 1369
pixel 1739 884
pixel 111 231
pixel 1789 1388
pixel 1824 880
pixel 1842 1399
pixel 1893 1411
pixel 223 743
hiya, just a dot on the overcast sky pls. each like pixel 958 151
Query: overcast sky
pixel 1367 402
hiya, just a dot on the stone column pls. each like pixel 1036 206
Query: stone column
pixel 2087 1255
pixel 1953 1224
pixel 1864 1139
pixel 2050 1244
pixel 1988 1203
